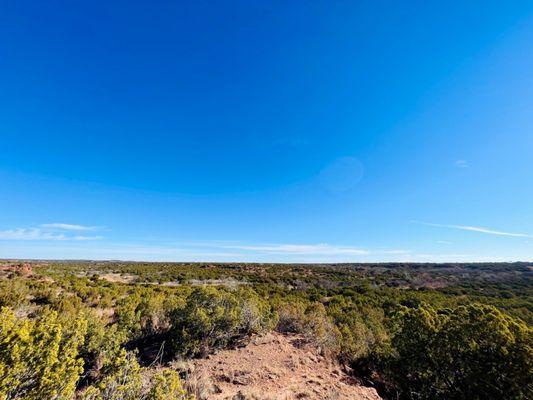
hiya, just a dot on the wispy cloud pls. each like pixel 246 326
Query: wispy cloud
pixel 461 164
pixel 289 249
pixel 30 234
pixel 47 232
pixel 111 251
pixel 79 237
pixel 395 252
pixel 69 227
pixel 50 245
pixel 475 229
pixel 308 249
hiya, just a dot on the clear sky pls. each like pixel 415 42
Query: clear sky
pixel 267 131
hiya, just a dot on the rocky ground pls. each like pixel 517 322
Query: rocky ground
pixel 275 366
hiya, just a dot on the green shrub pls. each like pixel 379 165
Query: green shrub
pixel 471 352
pixel 125 383
pixel 311 320
pixel 101 348
pixel 213 319
pixel 361 329
pixel 131 382
pixel 13 292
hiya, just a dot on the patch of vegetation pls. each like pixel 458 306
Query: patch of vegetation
pixel 212 319
pixel 415 331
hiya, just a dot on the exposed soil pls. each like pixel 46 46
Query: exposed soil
pixel 24 269
pixel 118 278
pixel 278 366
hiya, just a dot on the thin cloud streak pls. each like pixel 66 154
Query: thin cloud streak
pixel 321 249
pixel 69 227
pixel 40 234
pixel 49 232
pixel 30 234
pixel 314 249
pixel 86 238
pixel 399 252
pixel 475 229
pixel 69 250
pixel 74 249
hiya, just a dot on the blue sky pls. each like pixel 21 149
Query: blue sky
pixel 304 131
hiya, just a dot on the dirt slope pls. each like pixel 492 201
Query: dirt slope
pixel 278 366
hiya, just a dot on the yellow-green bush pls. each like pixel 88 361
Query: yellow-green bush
pixel 131 382
pixel 166 385
pixel 38 358
pixel 14 292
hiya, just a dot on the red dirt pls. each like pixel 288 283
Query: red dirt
pixel 24 269
pixel 278 366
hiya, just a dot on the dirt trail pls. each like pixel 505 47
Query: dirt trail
pixel 277 366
